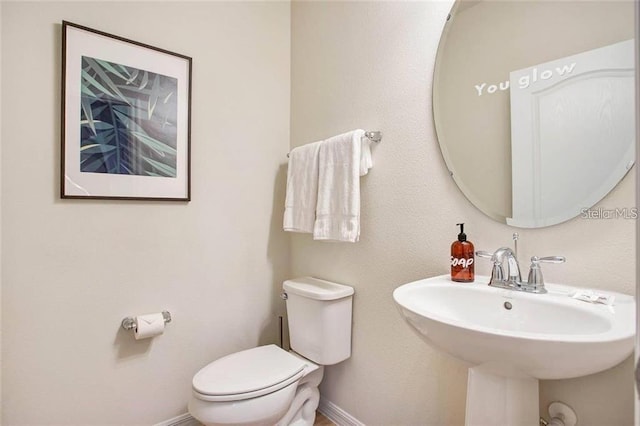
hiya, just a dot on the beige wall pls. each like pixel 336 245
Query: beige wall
pixel 71 270
pixel 0 217
pixel 369 65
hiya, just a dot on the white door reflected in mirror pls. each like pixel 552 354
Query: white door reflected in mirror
pixel 587 97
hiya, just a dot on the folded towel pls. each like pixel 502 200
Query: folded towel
pixel 366 161
pixel 338 206
pixel 302 189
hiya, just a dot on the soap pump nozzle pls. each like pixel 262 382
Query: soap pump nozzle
pixel 461 236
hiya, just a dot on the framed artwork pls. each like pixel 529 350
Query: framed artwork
pixel 125 118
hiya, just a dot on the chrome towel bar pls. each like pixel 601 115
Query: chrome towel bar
pixel 373 136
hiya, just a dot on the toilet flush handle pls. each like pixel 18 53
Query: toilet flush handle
pixel 284 296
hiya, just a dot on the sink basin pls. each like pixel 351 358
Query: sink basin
pixel 542 336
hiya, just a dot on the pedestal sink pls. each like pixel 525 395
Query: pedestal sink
pixel 513 338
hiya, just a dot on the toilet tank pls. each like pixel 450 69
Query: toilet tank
pixel 319 317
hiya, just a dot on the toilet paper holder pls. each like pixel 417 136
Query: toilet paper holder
pixel 129 323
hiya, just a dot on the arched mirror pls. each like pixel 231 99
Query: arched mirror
pixel 534 105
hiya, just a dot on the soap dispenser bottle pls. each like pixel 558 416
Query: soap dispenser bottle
pixel 462 258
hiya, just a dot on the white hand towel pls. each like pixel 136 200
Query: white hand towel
pixel 302 189
pixel 338 207
pixel 366 161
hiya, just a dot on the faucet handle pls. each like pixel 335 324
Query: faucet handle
pixel 497 273
pixel 535 280
pixel 548 259
pixel 485 254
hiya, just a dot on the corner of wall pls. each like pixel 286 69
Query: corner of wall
pixel 1 5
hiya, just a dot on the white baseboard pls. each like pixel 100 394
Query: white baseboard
pixel 183 420
pixel 326 407
pixel 337 414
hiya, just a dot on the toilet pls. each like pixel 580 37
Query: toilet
pixel 267 386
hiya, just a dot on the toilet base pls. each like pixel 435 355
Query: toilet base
pixel 302 411
pixel 261 411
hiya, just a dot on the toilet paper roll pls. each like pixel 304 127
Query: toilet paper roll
pixel 148 326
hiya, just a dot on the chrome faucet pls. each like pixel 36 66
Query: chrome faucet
pixel 503 275
pixel 508 275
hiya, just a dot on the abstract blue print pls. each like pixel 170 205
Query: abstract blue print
pixel 127 120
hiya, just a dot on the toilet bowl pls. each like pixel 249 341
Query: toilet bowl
pixel 266 385
pixel 262 386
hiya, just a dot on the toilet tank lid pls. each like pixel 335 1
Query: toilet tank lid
pixel 317 289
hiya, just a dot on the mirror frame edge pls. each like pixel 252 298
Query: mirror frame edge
pixel 636 354
pixel 475 202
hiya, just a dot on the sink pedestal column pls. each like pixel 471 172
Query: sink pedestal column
pixel 497 399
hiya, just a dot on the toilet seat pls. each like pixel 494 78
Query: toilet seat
pixel 248 374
